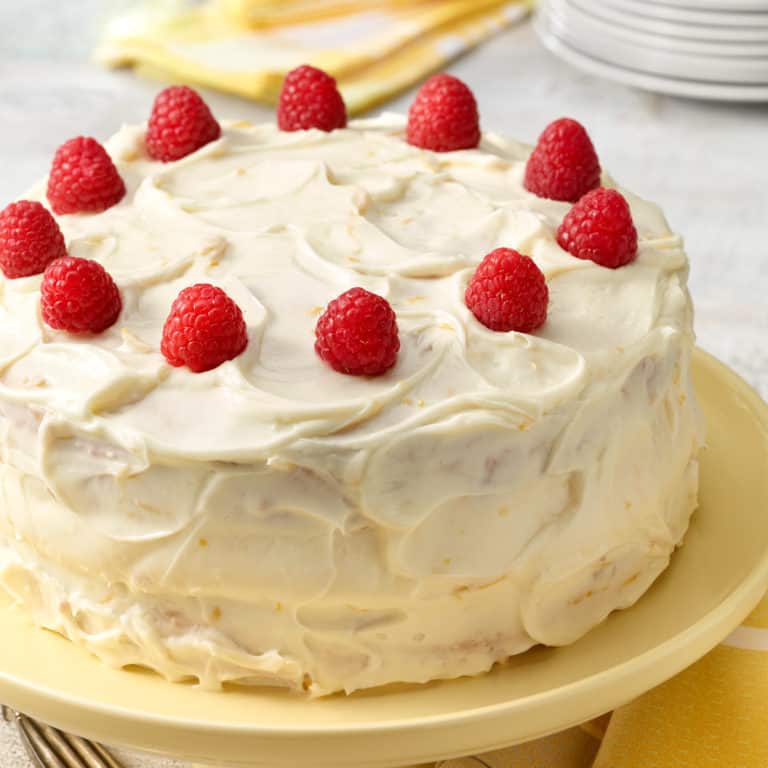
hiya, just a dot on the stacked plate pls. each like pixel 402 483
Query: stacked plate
pixel 709 49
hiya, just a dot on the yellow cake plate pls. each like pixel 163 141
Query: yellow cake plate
pixel 711 585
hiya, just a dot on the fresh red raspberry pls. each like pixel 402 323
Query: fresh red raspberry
pixel 564 164
pixel 443 116
pixel 79 296
pixel 83 178
pixel 357 334
pixel 308 99
pixel 599 227
pixel 204 329
pixel 508 292
pixel 179 124
pixel 30 239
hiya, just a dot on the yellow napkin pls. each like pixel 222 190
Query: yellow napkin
pixel 374 48
pixel 266 13
pixel 712 715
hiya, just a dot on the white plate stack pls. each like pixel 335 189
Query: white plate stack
pixel 709 49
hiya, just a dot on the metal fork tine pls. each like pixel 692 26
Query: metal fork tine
pixel 49 747
pixel 37 749
pixel 105 755
pixel 93 755
pixel 56 741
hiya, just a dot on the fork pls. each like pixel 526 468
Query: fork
pixel 49 747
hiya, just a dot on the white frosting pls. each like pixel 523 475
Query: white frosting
pixel 275 521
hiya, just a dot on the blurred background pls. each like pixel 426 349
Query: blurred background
pixel 86 66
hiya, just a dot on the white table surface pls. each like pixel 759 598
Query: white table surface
pixel 706 164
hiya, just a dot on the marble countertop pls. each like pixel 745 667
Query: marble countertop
pixel 704 163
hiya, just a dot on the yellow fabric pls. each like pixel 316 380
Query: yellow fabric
pixel 266 13
pixel 713 715
pixel 374 48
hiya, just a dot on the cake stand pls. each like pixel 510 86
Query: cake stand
pixel 712 584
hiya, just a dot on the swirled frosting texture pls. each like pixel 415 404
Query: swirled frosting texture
pixel 272 521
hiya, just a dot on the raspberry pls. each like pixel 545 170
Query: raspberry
pixel 179 124
pixel 79 296
pixel 599 227
pixel 309 99
pixel 564 165
pixel 357 334
pixel 83 178
pixel 30 239
pixel 443 116
pixel 204 329
pixel 508 292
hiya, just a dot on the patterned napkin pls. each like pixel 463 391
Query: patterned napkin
pixel 374 48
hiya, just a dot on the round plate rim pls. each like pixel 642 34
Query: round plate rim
pixel 741 6
pixel 667 27
pixel 701 635
pixel 692 16
pixel 592 26
pixel 695 89
pixel 663 63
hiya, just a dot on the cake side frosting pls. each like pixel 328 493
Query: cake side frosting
pixel 273 521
